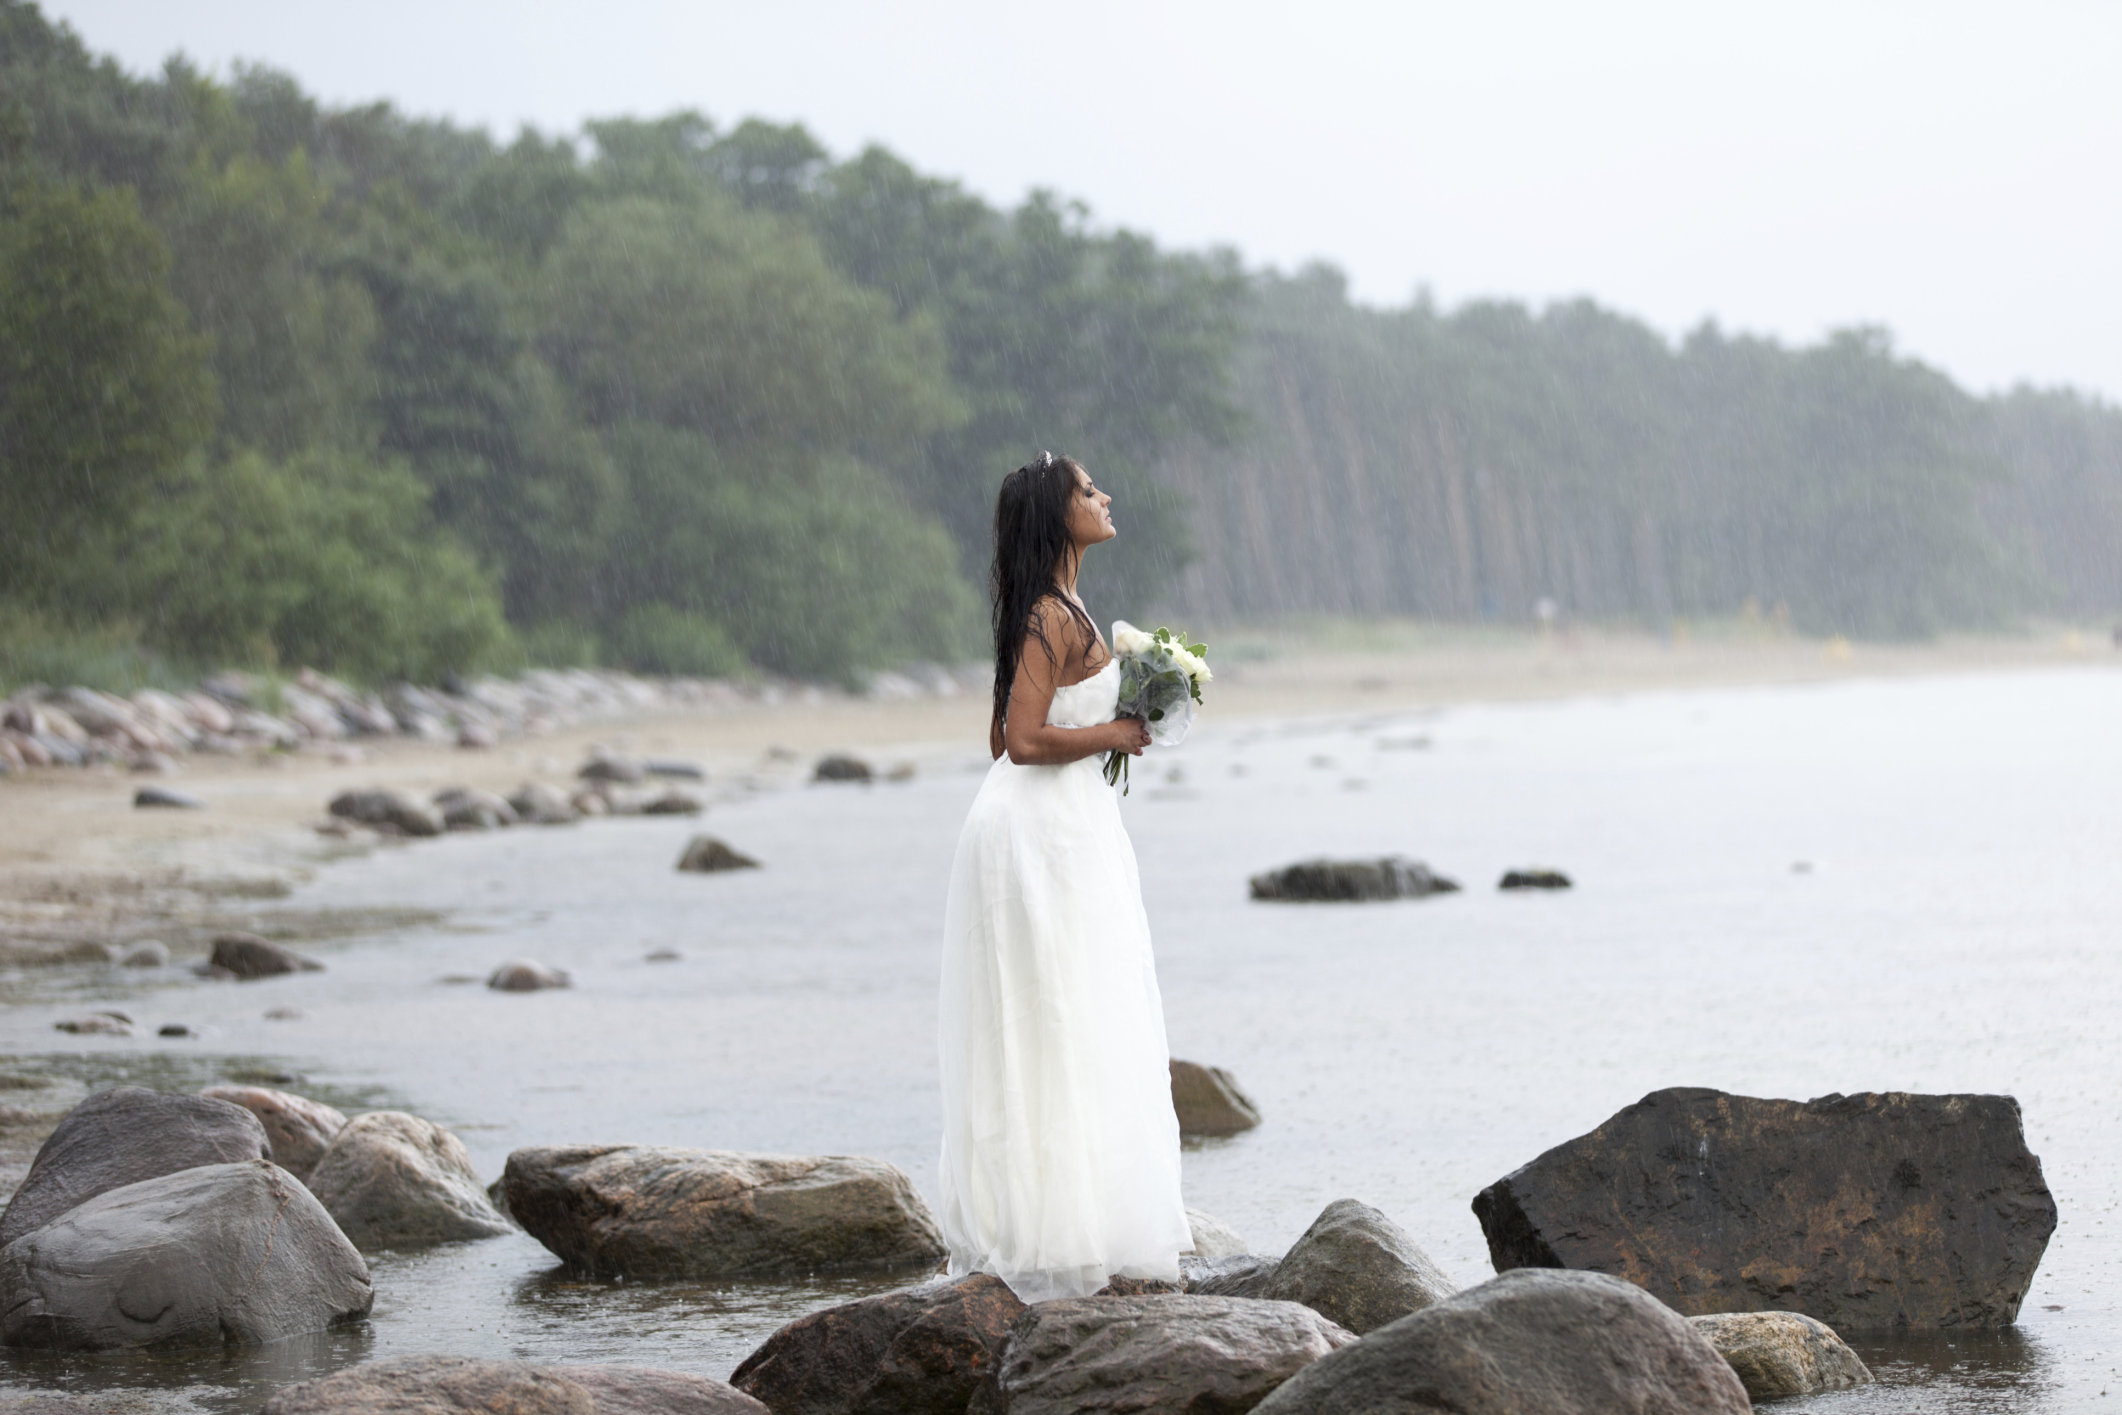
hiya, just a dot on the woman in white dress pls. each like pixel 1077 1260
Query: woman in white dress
pixel 1060 1164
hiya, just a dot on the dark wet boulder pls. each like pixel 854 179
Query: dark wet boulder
pixel 1162 1351
pixel 122 1136
pixel 1866 1211
pixel 1358 1268
pixel 167 799
pixel 247 956
pixel 393 1180
pixel 651 1211
pixel 213 1254
pixel 298 1129
pixel 1208 1100
pixel 707 855
pixel 471 1385
pixel 1239 1275
pixel 1534 877
pixel 1348 881
pixel 919 1352
pixel 522 975
pixel 400 810
pixel 1776 1354
pixel 1527 1343
pixel 840 767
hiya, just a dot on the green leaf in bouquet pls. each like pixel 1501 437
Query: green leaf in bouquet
pixel 1198 650
pixel 1156 714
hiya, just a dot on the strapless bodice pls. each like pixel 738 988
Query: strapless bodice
pixel 1090 702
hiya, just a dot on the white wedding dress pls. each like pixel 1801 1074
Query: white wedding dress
pixel 1060 1159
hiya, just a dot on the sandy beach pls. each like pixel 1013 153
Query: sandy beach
pixel 80 866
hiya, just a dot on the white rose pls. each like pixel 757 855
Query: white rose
pixel 1128 641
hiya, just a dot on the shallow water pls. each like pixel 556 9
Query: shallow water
pixel 1956 931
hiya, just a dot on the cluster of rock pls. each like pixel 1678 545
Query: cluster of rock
pixel 388 811
pixel 236 713
pixel 1389 877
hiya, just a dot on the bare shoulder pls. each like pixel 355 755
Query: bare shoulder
pixel 1056 626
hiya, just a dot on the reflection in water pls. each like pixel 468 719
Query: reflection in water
pixel 1995 1372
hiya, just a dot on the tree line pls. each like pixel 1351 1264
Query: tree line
pixel 282 384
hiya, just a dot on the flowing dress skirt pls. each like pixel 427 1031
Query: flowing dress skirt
pixel 1060 1162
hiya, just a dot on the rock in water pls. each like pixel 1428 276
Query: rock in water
pixel 401 809
pixel 1533 878
pixel 649 1211
pixel 1164 1351
pixel 523 975
pixel 842 768
pixel 1212 1237
pixel 150 953
pixel 122 1136
pixel 1341 881
pixel 249 956
pixel 163 796
pixel 919 1352
pixel 212 1254
pixel 445 1385
pixel 1356 1267
pixel 1783 1353
pixel 1527 1343
pixel 299 1130
pixel 1208 1100
pixel 393 1180
pixel 1864 1211
pixel 707 855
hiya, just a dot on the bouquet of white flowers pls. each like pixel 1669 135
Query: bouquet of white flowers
pixel 1160 682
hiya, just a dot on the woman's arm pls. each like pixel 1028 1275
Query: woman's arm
pixel 1026 735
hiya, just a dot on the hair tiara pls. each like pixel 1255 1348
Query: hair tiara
pixel 1044 461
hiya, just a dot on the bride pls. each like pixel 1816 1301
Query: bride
pixel 1060 1164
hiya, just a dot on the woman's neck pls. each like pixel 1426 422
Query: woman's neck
pixel 1065 572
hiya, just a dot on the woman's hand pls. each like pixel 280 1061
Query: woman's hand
pixel 1130 735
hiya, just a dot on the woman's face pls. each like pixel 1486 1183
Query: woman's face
pixel 1090 517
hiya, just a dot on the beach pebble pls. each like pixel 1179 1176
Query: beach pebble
pixel 1531 1340
pixel 163 796
pixel 246 956
pixel 299 1130
pixel 1159 1351
pixel 704 854
pixel 925 1349
pixel 654 1211
pixel 471 1385
pixel 212 1255
pixel 522 975
pixel 1357 1267
pixel 840 767
pixel 121 1136
pixel 1343 881
pixel 393 1180
pixel 1208 1101
pixel 1777 1354
pixel 1875 1210
pixel 148 953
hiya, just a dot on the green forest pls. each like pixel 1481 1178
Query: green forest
pixel 287 385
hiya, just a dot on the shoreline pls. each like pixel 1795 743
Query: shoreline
pixel 82 869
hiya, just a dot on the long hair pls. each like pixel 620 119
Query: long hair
pixel 1031 536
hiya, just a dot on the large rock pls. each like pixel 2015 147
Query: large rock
pixel 212 1254
pixel 1783 1353
pixel 122 1136
pixel 445 1385
pixel 1868 1211
pixel 464 808
pixel 393 1180
pixel 400 810
pixel 1341 881
pixel 1213 1238
pixel 706 855
pixel 919 1352
pixel 1357 1267
pixel 1158 1352
pixel 1239 1275
pixel 299 1130
pixel 1527 1343
pixel 248 956
pixel 524 975
pixel 1208 1100
pixel 543 804
pixel 649 1211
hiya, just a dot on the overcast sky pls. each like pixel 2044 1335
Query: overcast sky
pixel 1953 172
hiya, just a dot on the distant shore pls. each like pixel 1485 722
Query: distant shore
pixel 80 865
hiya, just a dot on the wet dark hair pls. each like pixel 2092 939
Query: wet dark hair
pixel 1031 536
